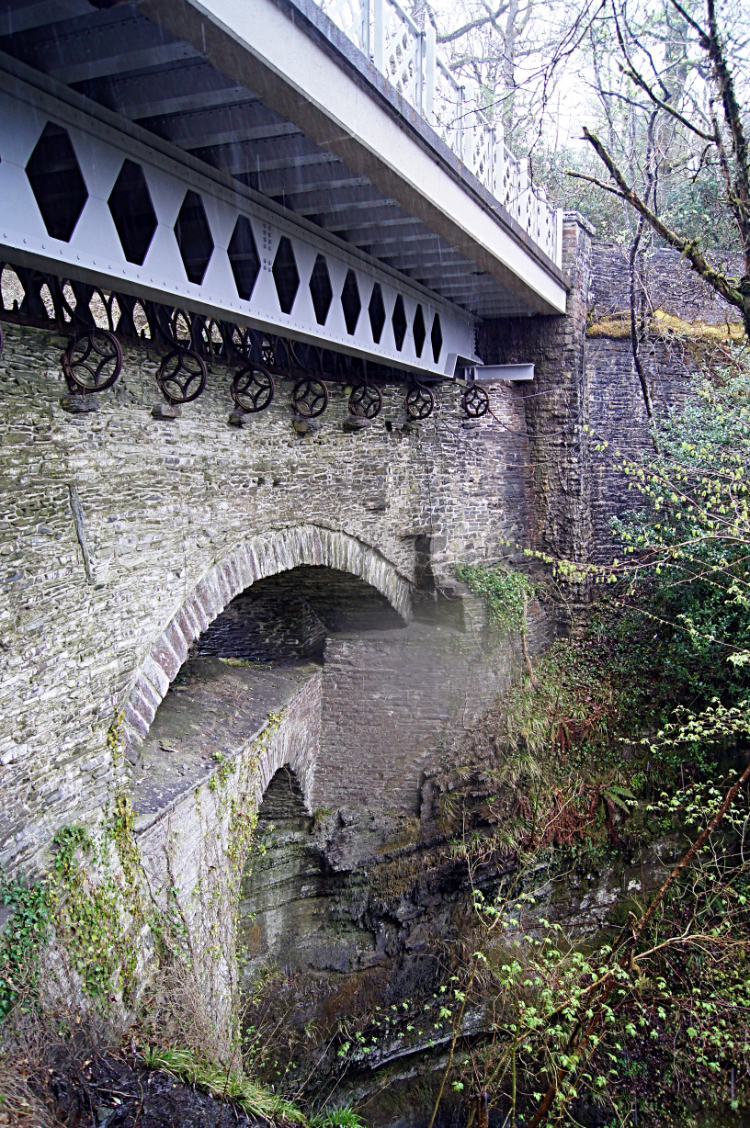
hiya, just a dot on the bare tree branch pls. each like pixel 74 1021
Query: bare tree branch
pixel 687 247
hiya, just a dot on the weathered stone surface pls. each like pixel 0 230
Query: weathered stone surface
pixel 163 507
pixel 79 404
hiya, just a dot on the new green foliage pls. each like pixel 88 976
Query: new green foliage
pixel 506 590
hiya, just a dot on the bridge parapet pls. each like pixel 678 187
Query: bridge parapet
pixel 407 56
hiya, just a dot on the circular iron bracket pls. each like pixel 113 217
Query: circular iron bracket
pixel 253 388
pixel 92 361
pixel 182 376
pixel 476 401
pixel 269 352
pixel 310 397
pixel 366 401
pixel 420 402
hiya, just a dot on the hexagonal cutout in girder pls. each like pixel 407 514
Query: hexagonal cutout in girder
pixel 133 212
pixel 376 310
pixel 351 302
pixel 194 237
pixel 320 289
pixel 436 337
pixel 399 322
pixel 285 274
pixel 244 258
pixel 56 181
pixel 419 330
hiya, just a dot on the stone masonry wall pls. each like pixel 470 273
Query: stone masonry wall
pixel 672 284
pixel 111 520
pixel 556 404
pixel 618 415
pixel 393 701
pixel 193 855
pixel 616 411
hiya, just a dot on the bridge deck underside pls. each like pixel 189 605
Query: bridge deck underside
pixel 122 60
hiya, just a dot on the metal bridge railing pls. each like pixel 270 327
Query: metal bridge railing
pixel 408 58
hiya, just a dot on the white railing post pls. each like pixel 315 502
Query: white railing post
pixel 498 158
pixel 460 98
pixel 559 238
pixel 378 47
pixel 471 126
pixel 420 61
pixel 523 194
pixel 365 17
pixel 429 72
pixel 489 176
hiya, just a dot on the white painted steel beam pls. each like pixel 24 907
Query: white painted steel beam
pixel 95 254
pixel 260 46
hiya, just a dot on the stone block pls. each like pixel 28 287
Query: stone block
pixel 222 584
pixel 80 403
pixel 196 610
pixel 190 625
pixel 156 675
pixel 144 692
pixel 186 625
pixel 209 599
pixel 165 657
pixel 134 720
pixel 177 640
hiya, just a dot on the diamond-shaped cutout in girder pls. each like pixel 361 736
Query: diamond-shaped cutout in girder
pixel 194 237
pixel 436 337
pixel 133 212
pixel 419 331
pixel 376 310
pixel 320 288
pixel 56 181
pixel 244 258
pixel 351 301
pixel 285 274
pixel 399 322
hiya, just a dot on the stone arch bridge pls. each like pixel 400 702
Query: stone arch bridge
pixel 270 310
pixel 127 535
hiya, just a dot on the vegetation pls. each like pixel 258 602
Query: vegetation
pixel 227 1084
pixel 635 732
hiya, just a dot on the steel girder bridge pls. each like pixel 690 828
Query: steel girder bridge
pixel 290 190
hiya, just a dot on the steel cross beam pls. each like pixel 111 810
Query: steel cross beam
pixel 61 161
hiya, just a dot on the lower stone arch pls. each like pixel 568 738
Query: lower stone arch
pixel 279 875
pixel 260 556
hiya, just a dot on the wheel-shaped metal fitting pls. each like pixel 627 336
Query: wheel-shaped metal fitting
pixel 268 351
pixel 476 401
pixel 310 397
pixel 92 360
pixel 420 402
pixel 253 388
pixel 366 401
pixel 182 376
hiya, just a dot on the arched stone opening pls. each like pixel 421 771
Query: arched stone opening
pixel 258 558
pixel 259 657
pixel 286 618
pixel 280 886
